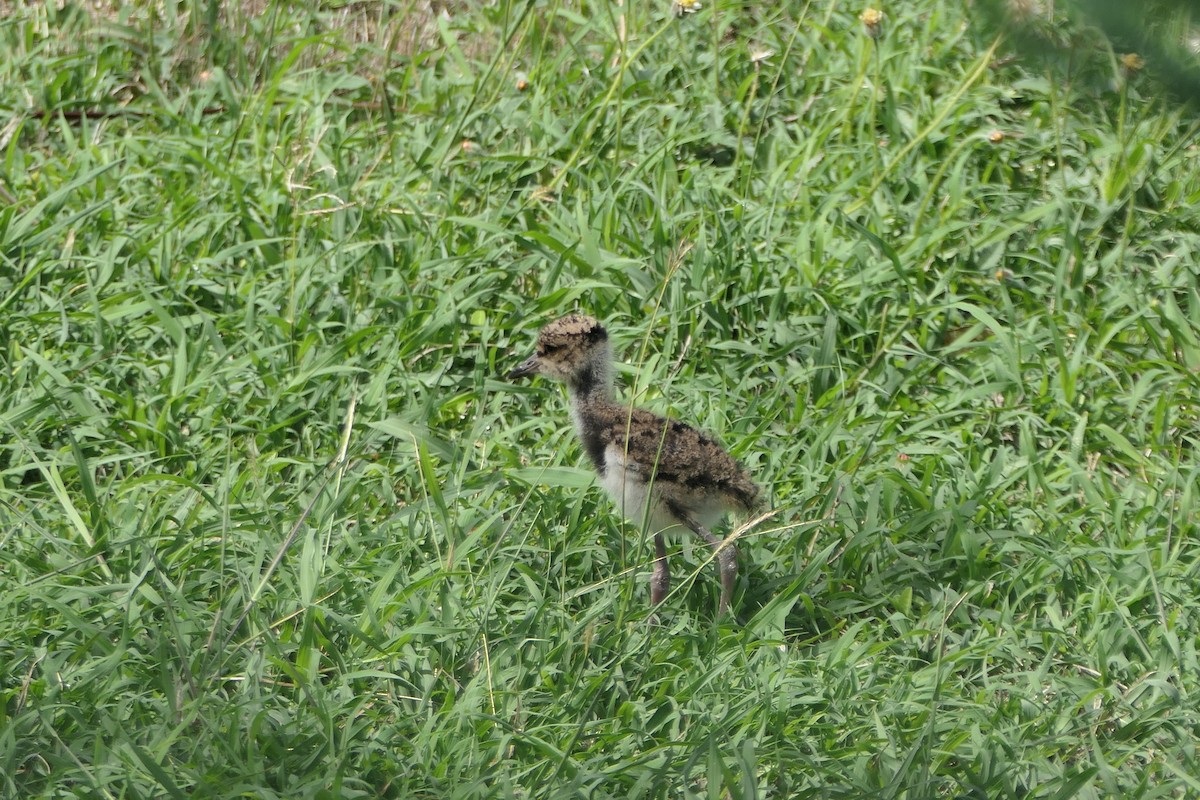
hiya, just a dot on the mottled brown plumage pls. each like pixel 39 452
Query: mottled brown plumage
pixel 660 472
pixel 678 455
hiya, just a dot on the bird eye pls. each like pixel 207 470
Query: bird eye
pixel 547 349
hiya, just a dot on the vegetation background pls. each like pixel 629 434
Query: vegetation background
pixel 272 526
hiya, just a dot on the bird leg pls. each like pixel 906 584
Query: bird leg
pixel 660 581
pixel 726 554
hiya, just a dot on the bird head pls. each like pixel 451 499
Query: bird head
pixel 573 349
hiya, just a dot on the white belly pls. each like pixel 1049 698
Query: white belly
pixel 631 495
pixel 641 504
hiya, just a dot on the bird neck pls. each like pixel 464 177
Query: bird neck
pixel 593 383
pixel 590 390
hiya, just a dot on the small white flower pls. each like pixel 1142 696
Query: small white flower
pixel 760 55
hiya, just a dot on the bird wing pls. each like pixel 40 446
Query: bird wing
pixel 672 451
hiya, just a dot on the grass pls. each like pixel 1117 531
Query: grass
pixel 273 526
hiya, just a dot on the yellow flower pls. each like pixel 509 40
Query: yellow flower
pixel 1132 62
pixel 872 20
pixel 681 7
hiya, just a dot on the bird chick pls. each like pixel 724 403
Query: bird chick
pixel 659 471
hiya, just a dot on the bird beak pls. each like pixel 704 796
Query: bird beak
pixel 530 366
